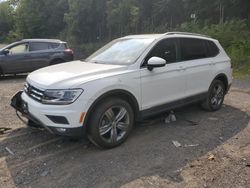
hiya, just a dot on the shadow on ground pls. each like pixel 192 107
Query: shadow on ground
pixel 13 77
pixel 44 160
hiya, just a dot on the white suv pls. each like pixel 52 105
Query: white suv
pixel 129 79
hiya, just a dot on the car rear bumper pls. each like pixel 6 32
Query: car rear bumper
pixel 23 113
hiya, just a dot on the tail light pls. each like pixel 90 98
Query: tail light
pixel 69 51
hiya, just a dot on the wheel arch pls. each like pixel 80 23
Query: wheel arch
pixel 118 93
pixel 222 77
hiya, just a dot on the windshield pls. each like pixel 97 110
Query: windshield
pixel 120 51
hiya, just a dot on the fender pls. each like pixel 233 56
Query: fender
pixel 224 79
pixel 120 93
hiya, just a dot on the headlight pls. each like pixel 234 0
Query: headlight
pixel 61 97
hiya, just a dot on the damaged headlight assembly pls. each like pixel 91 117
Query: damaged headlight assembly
pixel 61 97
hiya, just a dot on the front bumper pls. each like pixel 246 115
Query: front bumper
pixel 23 112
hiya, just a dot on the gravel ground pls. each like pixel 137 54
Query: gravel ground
pixel 214 152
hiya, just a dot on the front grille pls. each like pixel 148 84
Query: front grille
pixel 33 92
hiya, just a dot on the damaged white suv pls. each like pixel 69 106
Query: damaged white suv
pixel 129 79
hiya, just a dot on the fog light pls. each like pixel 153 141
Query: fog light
pixel 61 130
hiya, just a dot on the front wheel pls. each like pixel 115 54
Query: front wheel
pixel 110 123
pixel 215 97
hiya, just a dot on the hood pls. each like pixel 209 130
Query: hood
pixel 68 75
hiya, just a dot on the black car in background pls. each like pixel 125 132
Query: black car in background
pixel 31 54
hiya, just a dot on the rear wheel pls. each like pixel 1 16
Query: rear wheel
pixel 1 72
pixel 110 123
pixel 215 96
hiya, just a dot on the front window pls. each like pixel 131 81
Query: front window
pixel 165 49
pixel 19 49
pixel 121 51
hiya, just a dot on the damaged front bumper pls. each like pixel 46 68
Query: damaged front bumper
pixel 22 112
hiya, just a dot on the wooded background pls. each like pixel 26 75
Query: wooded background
pixel 88 24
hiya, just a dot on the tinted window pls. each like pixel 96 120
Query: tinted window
pixel 165 49
pixel 192 49
pixel 213 50
pixel 38 46
pixel 64 46
pixel 54 45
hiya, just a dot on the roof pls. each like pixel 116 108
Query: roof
pixel 145 36
pixel 42 40
pixel 187 34
pixel 179 34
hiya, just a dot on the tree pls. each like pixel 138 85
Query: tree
pixel 36 19
pixel 86 20
pixel 122 17
pixel 91 21
pixel 6 20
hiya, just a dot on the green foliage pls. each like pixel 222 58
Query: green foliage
pixel 6 19
pixel 35 19
pixel 85 20
pixel 122 17
pixel 84 50
pixel 88 23
pixel 234 35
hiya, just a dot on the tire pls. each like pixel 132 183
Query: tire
pixel 110 123
pixel 1 73
pixel 215 97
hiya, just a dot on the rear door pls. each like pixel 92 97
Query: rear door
pixel 17 59
pixel 194 53
pixel 40 55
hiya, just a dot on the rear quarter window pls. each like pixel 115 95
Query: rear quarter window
pixel 213 50
pixel 192 49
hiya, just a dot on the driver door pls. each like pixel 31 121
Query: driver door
pixel 17 59
pixel 163 85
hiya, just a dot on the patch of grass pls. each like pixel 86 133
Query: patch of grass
pixel 242 71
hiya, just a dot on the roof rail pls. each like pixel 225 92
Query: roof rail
pixel 187 33
pixel 41 40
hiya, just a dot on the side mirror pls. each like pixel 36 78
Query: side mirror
pixel 6 51
pixel 155 62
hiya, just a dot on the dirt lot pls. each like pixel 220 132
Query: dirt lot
pixel 2 45
pixel 215 150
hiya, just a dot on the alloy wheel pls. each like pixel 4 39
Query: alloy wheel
pixel 217 96
pixel 114 124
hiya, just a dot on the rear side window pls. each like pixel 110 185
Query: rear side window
pixel 165 49
pixel 213 50
pixel 65 46
pixel 38 46
pixel 192 49
pixel 54 45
